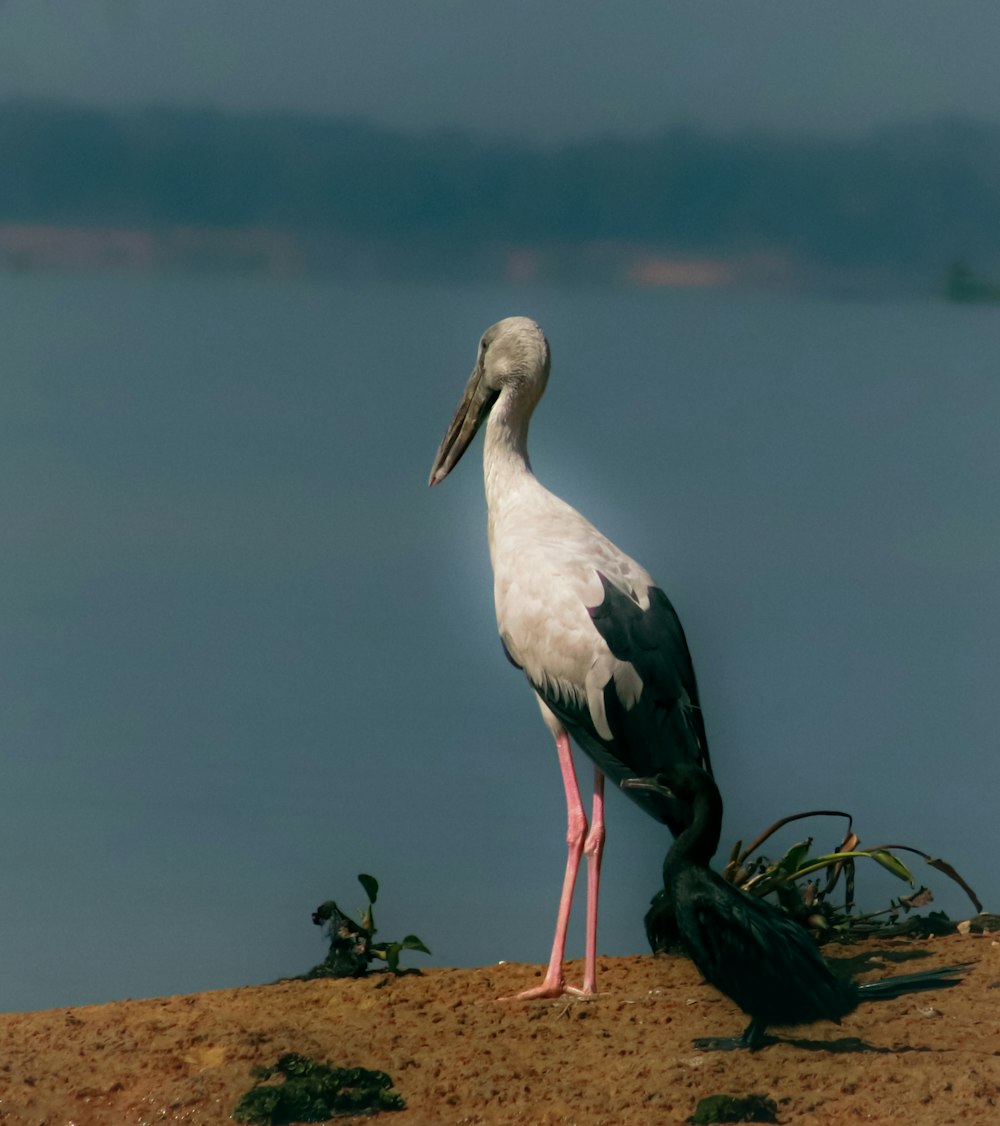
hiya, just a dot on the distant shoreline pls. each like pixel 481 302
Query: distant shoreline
pixel 285 253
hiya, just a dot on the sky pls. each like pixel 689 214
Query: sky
pixel 550 71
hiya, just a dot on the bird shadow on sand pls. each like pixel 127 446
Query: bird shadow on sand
pixel 848 1044
pixel 844 1045
pixel 869 960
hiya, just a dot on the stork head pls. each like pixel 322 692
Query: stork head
pixel 513 359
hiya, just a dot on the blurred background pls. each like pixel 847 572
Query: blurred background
pixel 246 254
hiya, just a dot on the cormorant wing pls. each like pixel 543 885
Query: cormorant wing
pixel 762 959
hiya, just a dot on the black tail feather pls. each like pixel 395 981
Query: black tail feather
pixel 888 987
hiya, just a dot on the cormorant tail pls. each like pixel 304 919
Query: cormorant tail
pixel 888 987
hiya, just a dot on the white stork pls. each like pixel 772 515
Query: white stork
pixel 598 641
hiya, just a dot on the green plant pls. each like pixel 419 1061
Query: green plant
pixel 803 884
pixel 315 1092
pixel 733 1108
pixel 352 945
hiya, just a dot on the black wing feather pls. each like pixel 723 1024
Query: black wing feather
pixel 762 959
pixel 664 723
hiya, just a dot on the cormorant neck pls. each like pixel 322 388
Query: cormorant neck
pixel 698 842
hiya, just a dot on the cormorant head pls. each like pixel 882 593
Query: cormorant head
pixel 684 781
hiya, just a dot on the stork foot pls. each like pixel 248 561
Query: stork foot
pixel 582 993
pixel 549 990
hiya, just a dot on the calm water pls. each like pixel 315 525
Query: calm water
pixel 247 655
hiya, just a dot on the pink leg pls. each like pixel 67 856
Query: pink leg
pixel 576 832
pixel 593 848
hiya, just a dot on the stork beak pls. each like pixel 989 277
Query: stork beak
pixel 474 407
pixel 653 784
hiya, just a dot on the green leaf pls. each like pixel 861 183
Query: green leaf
pixel 411 942
pixel 892 864
pixel 942 866
pixel 881 856
pixel 370 884
pixel 760 883
pixel 794 857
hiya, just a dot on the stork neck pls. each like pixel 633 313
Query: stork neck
pixel 505 449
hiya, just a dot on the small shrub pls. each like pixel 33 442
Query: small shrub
pixel 803 886
pixel 315 1092
pixel 352 945
pixel 731 1108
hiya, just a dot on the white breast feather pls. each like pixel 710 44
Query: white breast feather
pixel 547 560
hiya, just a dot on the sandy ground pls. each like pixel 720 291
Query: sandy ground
pixel 458 1056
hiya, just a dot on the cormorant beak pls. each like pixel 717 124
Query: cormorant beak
pixel 472 410
pixel 655 784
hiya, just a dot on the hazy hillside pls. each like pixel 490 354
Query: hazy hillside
pixel 908 201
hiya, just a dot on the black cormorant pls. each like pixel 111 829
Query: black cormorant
pixel 751 951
